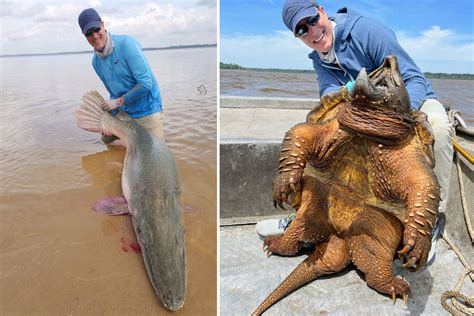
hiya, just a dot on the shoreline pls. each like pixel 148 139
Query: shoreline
pixel 429 75
pixel 89 52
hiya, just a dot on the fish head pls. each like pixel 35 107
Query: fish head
pixel 383 89
pixel 163 252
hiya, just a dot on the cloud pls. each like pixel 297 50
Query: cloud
pixel 434 50
pixel 277 50
pixel 166 24
pixel 21 9
pixel 94 3
pixel 438 44
pixel 33 26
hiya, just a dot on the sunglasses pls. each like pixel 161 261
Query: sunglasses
pixel 92 30
pixel 302 30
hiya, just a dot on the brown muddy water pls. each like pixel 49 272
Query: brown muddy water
pixel 58 257
pixel 457 94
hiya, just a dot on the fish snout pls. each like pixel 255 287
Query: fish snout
pixel 173 303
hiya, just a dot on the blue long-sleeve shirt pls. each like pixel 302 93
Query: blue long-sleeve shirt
pixel 363 42
pixel 126 73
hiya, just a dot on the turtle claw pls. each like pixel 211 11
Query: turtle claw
pixel 292 187
pixel 405 250
pixel 280 204
pixel 267 252
pixel 394 297
pixel 409 263
pixel 399 287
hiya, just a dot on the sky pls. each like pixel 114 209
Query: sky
pixel 438 35
pixel 33 26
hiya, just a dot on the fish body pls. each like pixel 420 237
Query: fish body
pixel 151 186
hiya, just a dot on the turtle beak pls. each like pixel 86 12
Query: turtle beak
pixel 364 89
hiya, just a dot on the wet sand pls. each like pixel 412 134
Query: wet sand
pixel 60 257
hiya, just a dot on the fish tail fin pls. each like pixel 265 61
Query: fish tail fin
pixel 89 114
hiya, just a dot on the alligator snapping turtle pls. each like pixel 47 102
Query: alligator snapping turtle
pixel 372 190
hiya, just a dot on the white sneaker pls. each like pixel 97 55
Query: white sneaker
pixel 272 227
pixel 435 234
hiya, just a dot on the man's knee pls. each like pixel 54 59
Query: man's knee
pixel 438 118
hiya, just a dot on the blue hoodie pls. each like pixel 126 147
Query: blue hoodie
pixel 363 42
pixel 126 73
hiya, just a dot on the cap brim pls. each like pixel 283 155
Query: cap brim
pixel 89 25
pixel 305 13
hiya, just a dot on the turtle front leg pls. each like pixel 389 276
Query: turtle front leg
pixel 291 163
pixel 420 218
pixel 414 184
pixel 306 142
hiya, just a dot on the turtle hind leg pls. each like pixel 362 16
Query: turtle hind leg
pixel 373 242
pixel 329 257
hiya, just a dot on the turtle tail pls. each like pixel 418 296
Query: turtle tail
pixel 89 114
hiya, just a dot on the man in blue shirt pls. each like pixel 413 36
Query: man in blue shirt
pixel 121 65
pixel 343 45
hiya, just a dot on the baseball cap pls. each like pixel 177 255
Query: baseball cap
pixel 89 18
pixel 295 10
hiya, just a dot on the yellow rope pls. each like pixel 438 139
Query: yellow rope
pixel 463 199
pixel 465 154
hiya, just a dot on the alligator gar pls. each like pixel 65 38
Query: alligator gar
pixel 151 187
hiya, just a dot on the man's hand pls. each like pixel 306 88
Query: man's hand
pixel 105 132
pixel 111 104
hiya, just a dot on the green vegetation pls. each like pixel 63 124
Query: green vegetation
pixel 231 66
pixel 439 75
pixel 430 75
pixel 238 67
pixel 182 46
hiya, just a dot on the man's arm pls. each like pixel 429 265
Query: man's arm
pixel 136 61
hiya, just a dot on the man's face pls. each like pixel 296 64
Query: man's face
pixel 319 36
pixel 97 40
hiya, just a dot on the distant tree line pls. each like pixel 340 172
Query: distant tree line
pixel 231 66
pixel 181 46
pixel 440 75
pixel 430 75
pixel 88 51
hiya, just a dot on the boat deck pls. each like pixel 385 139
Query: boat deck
pixel 251 130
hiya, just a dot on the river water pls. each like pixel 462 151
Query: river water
pixel 57 256
pixel 457 94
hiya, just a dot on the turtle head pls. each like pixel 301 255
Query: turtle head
pixel 382 89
